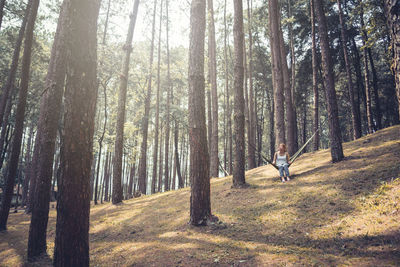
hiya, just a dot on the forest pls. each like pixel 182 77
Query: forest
pixel 187 117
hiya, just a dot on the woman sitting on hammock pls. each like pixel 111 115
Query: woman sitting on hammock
pixel 282 161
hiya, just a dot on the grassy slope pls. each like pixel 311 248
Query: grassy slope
pixel 329 214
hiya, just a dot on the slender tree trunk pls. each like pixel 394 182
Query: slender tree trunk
pixel 160 170
pixel 19 118
pixel 142 172
pixel 227 93
pixel 370 120
pixel 293 78
pixel 209 120
pixel 333 116
pixel 177 161
pixel 252 115
pixel 9 84
pixel 378 112
pixel 214 159
pixel 277 76
pixel 167 126
pixel 360 84
pixel 315 80
pixel 107 176
pixel 28 154
pixel 239 164
pixel 200 203
pixel 393 19
pixel 73 205
pixel 272 128
pixel 157 124
pixel 355 119
pixel 117 194
pixel 5 127
pixel 106 22
pixel 49 117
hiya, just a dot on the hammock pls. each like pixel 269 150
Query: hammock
pixel 293 158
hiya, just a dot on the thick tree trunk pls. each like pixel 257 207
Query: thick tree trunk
pixel 370 120
pixel 200 203
pixel 142 172
pixel 239 164
pixel 157 124
pixel 289 112
pixel 50 111
pixel 73 205
pixel 9 84
pixel 19 118
pixel 315 79
pixel 212 68
pixel 333 116
pixel 354 115
pixel 277 75
pixel 117 194
pixel 167 126
pixel 392 8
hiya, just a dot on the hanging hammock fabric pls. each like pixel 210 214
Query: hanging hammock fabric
pixel 293 158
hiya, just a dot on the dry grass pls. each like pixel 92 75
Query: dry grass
pixel 343 214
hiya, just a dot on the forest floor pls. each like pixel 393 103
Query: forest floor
pixel 342 214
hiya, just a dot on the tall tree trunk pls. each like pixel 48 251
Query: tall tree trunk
pixel 252 115
pixel 370 120
pixel 378 112
pixel 142 172
pixel 239 164
pixel 293 77
pixel 73 205
pixel 315 79
pixel 106 22
pixel 167 126
pixel 209 120
pixel 354 115
pixel 214 159
pixel 107 172
pixel 50 111
pixel 157 124
pixel 177 161
pixel 360 85
pixel 117 194
pixel 19 118
pixel 272 128
pixel 333 116
pixel 392 8
pixel 200 203
pixel 289 112
pixel 277 75
pixel 9 84
pixel 105 178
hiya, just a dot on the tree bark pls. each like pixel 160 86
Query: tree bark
pixel 200 203
pixel 392 8
pixel 2 4
pixel 167 126
pixel 277 75
pixel 28 154
pixel 19 118
pixel 157 124
pixel 238 112
pixel 142 172
pixel 73 205
pixel 117 194
pixel 49 117
pixel 214 159
pixel 289 112
pixel 378 112
pixel 327 66
pixel 355 118
pixel 370 120
pixel 314 79
pixel 160 170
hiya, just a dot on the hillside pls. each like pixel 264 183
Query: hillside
pixel 346 213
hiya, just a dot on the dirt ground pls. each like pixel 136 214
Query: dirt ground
pixel 342 214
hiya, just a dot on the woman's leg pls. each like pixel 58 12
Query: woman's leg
pixel 281 174
pixel 287 172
